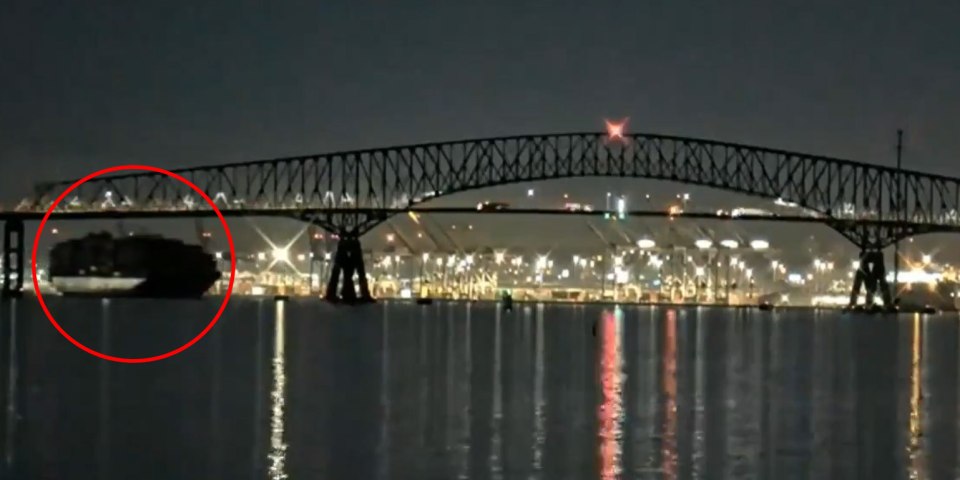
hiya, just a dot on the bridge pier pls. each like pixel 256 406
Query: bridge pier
pixel 871 276
pixel 347 262
pixel 13 248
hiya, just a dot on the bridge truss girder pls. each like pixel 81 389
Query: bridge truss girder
pixel 395 177
pixel 871 205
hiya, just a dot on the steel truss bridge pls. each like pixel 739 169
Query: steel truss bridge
pixel 349 193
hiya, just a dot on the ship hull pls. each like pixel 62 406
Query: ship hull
pixel 132 287
pixel 149 266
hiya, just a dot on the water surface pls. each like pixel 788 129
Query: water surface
pixel 306 390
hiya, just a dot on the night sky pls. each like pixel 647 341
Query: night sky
pixel 85 85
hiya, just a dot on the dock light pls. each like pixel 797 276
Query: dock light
pixel 541 262
pixel 281 254
pixel 703 244
pixel 646 243
pixel 759 244
pixel 730 243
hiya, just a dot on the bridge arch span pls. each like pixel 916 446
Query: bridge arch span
pixel 378 178
pixel 373 179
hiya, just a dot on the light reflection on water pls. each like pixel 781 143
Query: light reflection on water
pixel 304 390
pixel 278 397
pixel 611 407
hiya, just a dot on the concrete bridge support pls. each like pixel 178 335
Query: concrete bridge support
pixel 871 277
pixel 13 252
pixel 347 263
pixel 347 283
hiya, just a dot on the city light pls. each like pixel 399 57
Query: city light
pixel 655 261
pixel 541 262
pixel 703 244
pixel 498 257
pixel 390 237
pixel 261 256
pixel 759 244
pixel 281 254
pixel 218 255
pixel 530 192
pixel 425 256
pixel 926 258
pixel 916 276
pixel 646 243
pixel 621 207
pixel 729 243
pixel 700 271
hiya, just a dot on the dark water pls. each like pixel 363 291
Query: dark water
pixel 304 390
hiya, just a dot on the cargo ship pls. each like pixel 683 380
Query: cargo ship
pixel 101 265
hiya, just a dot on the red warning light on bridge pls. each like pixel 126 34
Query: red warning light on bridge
pixel 615 129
